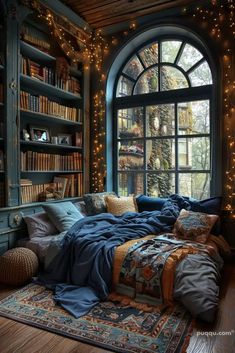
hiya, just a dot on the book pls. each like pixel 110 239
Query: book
pixel 63 183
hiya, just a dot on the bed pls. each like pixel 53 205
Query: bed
pixel 87 261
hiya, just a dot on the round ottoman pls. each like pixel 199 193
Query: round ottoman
pixel 18 266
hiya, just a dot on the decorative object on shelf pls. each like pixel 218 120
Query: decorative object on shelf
pixel 62 68
pixel 77 139
pixel 25 135
pixel 65 139
pixel 39 134
pixel 54 140
pixel 50 194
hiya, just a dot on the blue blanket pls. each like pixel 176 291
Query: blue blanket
pixel 81 273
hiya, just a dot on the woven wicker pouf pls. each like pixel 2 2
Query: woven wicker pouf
pixel 18 266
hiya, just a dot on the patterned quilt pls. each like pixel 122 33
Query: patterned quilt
pixel 144 270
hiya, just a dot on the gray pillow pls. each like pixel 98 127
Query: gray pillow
pixel 39 225
pixel 63 214
pixel 81 206
pixel 95 203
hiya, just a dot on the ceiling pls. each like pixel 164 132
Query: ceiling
pixel 103 13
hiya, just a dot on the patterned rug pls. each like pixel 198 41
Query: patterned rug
pixel 110 325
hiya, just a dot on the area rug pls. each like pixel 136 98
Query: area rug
pixel 110 325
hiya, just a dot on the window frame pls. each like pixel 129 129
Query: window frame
pixel 196 93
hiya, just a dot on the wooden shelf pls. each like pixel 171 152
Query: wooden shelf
pixel 34 53
pixel 30 51
pixel 48 118
pixel 52 171
pixel 44 88
pixel 41 203
pixel 49 145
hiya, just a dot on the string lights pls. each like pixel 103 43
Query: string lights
pixel 219 20
pixel 91 46
pixel 95 50
pixel 98 162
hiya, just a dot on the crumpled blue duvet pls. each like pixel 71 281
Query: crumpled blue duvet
pixel 81 273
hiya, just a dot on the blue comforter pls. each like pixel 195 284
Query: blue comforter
pixel 81 273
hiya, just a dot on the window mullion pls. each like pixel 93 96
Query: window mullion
pixel 176 150
pixel 145 149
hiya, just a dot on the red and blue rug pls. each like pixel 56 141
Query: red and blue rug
pixel 110 325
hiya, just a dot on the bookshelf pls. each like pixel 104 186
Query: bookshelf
pixel 52 104
pixel 2 122
pixel 44 122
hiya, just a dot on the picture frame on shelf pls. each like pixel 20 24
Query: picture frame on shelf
pixel 39 134
pixel 65 139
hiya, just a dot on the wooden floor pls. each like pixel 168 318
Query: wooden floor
pixel 19 338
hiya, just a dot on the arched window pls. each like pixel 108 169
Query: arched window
pixel 163 120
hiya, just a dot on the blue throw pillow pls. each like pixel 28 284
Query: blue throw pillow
pixel 148 203
pixel 210 206
pixel 62 214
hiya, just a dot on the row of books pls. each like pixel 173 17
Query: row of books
pixel 1 93
pixel 61 187
pixel 32 193
pixel 41 104
pixel 31 160
pixel 48 75
pixel 71 185
pixel 32 39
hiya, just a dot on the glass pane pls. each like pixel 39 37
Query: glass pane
pixel 170 50
pixel 196 185
pixel 194 117
pixel 130 123
pixel 148 82
pixel 133 68
pixel 149 55
pixel 201 75
pixel 160 154
pixel 131 155
pixel 124 87
pixel 194 153
pixel 189 57
pixel 160 120
pixel 130 183
pixel 160 184
pixel 172 78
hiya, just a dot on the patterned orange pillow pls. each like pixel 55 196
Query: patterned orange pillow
pixel 119 205
pixel 194 226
